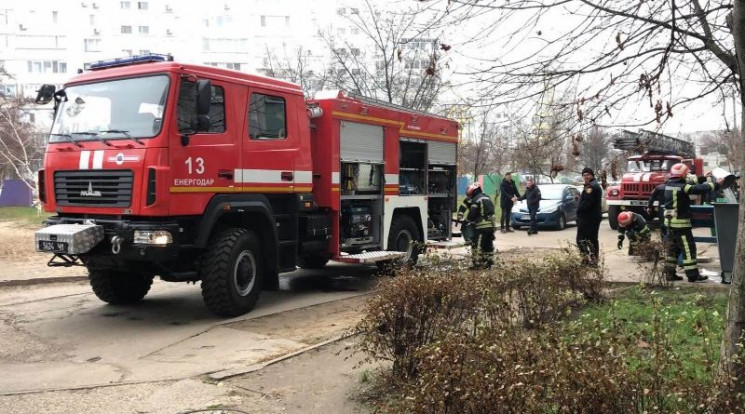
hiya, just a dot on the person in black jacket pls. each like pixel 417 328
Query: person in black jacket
pixel 589 215
pixel 533 197
pixel 507 195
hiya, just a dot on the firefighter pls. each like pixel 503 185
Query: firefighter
pixel 481 217
pixel 677 213
pixel 658 196
pixel 589 215
pixel 633 226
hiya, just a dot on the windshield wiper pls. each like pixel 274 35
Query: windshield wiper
pixel 94 135
pixel 69 138
pixel 123 132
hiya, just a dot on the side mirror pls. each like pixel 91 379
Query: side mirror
pixel 45 94
pixel 204 97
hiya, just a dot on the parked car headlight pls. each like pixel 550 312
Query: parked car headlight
pixel 548 210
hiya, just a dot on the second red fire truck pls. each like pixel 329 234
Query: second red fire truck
pixel 193 173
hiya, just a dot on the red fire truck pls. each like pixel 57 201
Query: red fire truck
pixel 653 155
pixel 193 173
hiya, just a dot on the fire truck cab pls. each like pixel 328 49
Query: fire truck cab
pixel 193 173
pixel 654 154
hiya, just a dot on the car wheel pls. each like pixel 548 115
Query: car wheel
pixel 562 222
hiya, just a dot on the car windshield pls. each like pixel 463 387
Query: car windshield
pixel 648 165
pixel 551 192
pixel 114 109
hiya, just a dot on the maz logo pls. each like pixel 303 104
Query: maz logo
pixel 90 192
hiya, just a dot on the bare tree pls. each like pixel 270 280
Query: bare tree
pixel 636 52
pixel 485 153
pixel 298 66
pixel 595 148
pixel 20 149
pixel 398 61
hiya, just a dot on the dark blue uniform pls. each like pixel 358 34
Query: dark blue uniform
pixel 589 215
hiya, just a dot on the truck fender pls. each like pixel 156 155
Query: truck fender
pixel 237 206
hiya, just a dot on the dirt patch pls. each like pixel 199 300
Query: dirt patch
pixel 309 325
pixel 20 259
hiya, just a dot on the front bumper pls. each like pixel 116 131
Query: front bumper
pixel 121 232
pixel 542 219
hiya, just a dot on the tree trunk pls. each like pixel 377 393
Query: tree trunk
pixel 732 340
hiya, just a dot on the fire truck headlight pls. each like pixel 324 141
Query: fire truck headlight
pixel 614 192
pixel 153 237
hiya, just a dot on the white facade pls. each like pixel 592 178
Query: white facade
pixel 48 42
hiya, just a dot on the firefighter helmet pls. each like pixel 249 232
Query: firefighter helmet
pixel 625 218
pixel 679 170
pixel 473 189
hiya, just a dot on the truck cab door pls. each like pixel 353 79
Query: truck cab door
pixel 271 148
pixel 204 162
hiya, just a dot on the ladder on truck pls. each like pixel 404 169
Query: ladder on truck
pixel 648 142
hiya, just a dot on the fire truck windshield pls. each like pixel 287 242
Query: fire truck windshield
pixel 647 166
pixel 114 109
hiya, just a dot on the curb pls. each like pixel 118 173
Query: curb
pixel 42 281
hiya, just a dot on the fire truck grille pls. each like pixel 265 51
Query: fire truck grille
pixel 95 188
pixel 630 189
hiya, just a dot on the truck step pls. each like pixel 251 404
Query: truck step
pixel 370 257
pixel 446 244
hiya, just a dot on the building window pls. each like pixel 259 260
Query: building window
pixel 267 117
pixel 144 29
pixel 46 66
pixel 127 52
pixel 142 5
pixel 126 29
pixel 92 19
pixel 354 51
pixel 92 45
pixel 341 11
pixel 233 65
pixel 144 51
pixel 263 21
pixel 54 17
pixel 125 5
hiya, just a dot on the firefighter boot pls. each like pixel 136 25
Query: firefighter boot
pixel 694 276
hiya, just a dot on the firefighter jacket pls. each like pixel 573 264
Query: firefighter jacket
pixel 481 212
pixel 638 229
pixel 658 195
pixel 677 202
pixel 590 202
pixel 532 196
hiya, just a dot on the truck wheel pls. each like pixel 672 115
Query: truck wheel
pixel 119 288
pixel 404 237
pixel 613 212
pixel 313 261
pixel 231 272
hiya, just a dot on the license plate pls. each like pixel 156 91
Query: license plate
pixel 526 216
pixel 53 246
pixel 638 203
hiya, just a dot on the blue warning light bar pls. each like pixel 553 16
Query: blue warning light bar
pixel 130 60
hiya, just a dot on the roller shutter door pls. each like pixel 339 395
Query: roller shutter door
pixel 442 153
pixel 361 142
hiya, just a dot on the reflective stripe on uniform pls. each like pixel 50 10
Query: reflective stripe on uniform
pixel 689 263
pixel 680 223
